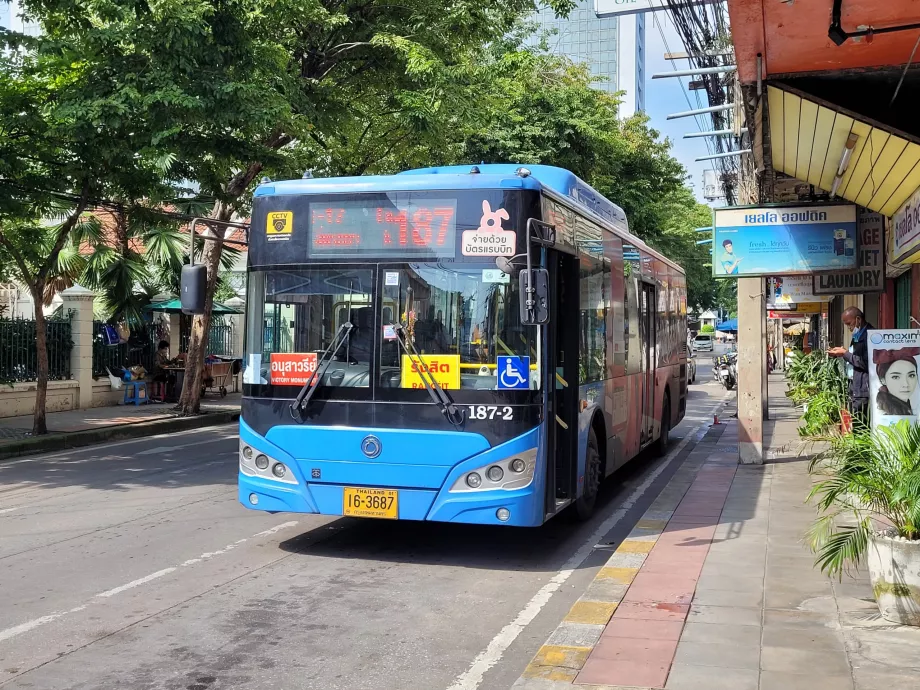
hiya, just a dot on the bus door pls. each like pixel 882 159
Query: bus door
pixel 562 381
pixel 648 334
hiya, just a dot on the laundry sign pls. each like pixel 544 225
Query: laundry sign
pixel 869 276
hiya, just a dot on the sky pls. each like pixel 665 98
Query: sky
pixel 666 96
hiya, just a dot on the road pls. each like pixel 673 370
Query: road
pixel 131 565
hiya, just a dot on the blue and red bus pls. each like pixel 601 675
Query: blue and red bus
pixel 477 344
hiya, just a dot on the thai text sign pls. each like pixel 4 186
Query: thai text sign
pixel 905 231
pixel 894 358
pixel 869 275
pixel 786 291
pixel 783 240
pixel 445 369
pixel 293 368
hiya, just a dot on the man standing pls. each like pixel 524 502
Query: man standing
pixel 857 359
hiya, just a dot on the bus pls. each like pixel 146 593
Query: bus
pixel 474 344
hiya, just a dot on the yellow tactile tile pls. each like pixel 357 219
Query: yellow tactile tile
pixel 591 612
pixel 624 576
pixel 557 655
pixel 557 673
pixel 635 546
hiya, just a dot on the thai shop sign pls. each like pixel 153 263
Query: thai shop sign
pixel 787 291
pixel 783 240
pixel 894 360
pixel 905 232
pixel 869 275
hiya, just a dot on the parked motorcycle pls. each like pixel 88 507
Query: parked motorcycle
pixel 725 370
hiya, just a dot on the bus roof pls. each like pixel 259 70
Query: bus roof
pixel 459 177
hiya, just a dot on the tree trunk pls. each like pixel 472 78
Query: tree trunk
pixel 190 401
pixel 39 422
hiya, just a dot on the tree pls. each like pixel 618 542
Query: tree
pixel 707 328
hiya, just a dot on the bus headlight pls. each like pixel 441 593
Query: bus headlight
pixel 254 463
pixel 513 472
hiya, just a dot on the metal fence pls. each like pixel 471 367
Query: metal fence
pixel 19 354
pixel 220 336
pixel 140 349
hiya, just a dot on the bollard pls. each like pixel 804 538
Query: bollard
pixel 715 420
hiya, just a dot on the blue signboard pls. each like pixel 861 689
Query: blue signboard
pixel 783 241
pixel 513 373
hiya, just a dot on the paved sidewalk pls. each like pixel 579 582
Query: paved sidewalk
pixel 715 590
pixel 83 427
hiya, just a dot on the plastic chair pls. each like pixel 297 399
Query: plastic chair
pixel 135 392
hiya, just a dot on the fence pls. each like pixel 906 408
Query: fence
pixel 19 355
pixel 220 336
pixel 140 349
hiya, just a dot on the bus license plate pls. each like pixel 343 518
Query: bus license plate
pixel 371 503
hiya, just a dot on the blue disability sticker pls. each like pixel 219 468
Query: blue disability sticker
pixel 513 373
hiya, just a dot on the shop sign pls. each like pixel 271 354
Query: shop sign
pixel 894 360
pixel 870 274
pixel 783 240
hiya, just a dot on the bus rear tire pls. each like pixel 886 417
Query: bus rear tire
pixel 584 506
pixel 661 446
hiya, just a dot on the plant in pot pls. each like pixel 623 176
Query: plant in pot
pixel 868 497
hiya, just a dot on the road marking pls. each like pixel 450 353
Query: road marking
pixel 8 510
pixel 35 623
pixel 163 449
pixel 135 583
pixel 492 654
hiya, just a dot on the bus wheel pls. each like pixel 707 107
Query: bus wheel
pixel 663 439
pixel 584 506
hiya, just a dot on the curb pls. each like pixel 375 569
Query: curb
pixel 558 662
pixel 90 437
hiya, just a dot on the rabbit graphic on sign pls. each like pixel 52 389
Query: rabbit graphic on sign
pixel 489 239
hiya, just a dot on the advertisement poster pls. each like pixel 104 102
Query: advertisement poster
pixel 869 275
pixel 786 240
pixel 894 358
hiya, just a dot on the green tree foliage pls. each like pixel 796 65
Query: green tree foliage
pixel 707 328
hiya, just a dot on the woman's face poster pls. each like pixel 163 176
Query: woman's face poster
pixel 894 365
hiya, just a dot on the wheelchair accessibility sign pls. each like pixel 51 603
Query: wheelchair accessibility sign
pixel 513 373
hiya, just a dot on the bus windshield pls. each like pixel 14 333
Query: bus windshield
pixel 458 318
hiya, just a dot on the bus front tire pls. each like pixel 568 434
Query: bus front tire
pixel 584 506
pixel 661 446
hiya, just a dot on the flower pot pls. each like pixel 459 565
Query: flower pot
pixel 894 570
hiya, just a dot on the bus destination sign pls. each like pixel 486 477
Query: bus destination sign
pixel 359 229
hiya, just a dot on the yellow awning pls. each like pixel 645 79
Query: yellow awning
pixel 808 138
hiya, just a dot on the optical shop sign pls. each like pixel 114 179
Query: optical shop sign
pixel 783 240
pixel 905 231
pixel 894 359
pixel 869 275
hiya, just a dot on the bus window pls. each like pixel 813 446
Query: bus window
pixel 468 316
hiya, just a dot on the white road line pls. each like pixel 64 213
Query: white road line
pixel 8 510
pixel 32 624
pixel 135 583
pixel 492 654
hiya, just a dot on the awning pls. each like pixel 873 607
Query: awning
pixel 808 137
pixel 730 325
pixel 173 306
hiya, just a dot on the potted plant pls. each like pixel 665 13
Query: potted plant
pixel 868 497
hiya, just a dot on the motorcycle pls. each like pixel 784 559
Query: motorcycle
pixel 725 370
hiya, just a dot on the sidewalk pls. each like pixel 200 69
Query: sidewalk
pixel 75 428
pixel 714 590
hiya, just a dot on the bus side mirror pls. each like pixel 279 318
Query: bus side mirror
pixel 192 287
pixel 534 288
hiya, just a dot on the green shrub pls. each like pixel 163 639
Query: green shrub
pixel 707 328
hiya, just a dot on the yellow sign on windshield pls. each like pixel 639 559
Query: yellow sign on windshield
pixel 445 369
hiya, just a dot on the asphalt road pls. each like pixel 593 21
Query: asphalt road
pixel 132 566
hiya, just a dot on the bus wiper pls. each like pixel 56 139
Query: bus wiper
pixel 302 401
pixel 438 396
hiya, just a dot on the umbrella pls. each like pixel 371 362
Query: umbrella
pixel 730 325
pixel 174 306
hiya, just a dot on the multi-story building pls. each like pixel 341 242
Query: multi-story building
pixel 10 18
pixel 613 48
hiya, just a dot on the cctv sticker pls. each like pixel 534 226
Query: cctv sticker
pixel 489 239
pixel 279 225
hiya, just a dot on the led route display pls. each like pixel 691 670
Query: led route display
pixel 358 229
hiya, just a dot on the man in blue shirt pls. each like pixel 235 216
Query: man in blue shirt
pixel 729 260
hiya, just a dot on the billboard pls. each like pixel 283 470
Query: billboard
pixel 894 360
pixel 869 275
pixel 905 231
pixel 783 240
pixel 786 291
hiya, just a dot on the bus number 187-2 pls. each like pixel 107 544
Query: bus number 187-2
pixel 490 412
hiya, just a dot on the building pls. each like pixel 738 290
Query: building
pixel 613 48
pixel 10 18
